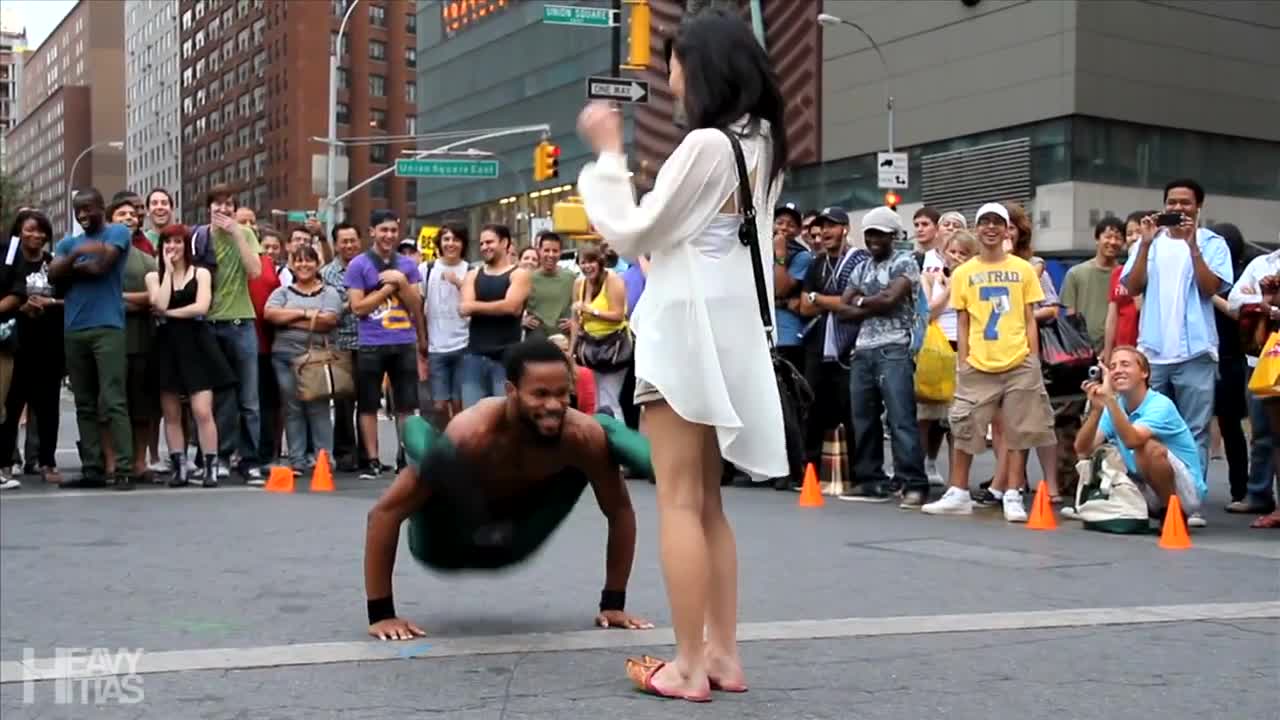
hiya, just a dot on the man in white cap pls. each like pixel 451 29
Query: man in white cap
pixel 880 295
pixel 994 296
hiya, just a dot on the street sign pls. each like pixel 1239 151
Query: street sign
pixel 425 168
pixel 892 171
pixel 619 89
pixel 578 15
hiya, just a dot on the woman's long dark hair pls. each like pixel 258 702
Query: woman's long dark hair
pixel 175 230
pixel 42 221
pixel 727 75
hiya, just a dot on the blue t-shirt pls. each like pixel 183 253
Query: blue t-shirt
pixel 790 324
pixel 391 323
pixel 1158 414
pixel 96 302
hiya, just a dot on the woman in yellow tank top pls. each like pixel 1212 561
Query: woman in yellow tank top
pixel 600 310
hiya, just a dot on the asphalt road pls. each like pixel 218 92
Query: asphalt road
pixel 250 605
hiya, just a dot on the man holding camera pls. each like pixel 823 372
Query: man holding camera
pixel 1179 267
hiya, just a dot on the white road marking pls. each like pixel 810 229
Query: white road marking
pixel 43 669
pixel 142 489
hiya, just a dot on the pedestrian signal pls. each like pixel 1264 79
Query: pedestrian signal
pixel 891 200
pixel 546 161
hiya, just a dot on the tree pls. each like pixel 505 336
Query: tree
pixel 13 195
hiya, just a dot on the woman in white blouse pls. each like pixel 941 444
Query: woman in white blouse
pixel 703 372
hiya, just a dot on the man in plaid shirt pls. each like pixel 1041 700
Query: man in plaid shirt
pixel 347 450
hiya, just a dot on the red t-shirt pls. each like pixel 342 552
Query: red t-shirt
pixel 585 389
pixel 1126 312
pixel 260 288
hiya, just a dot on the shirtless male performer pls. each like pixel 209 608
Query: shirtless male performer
pixel 505 473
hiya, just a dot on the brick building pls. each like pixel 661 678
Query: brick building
pixel 73 99
pixel 255 94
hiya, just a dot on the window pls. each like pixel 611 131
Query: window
pixel 242 73
pixel 344 79
pixel 411 92
pixel 377 86
pixel 343 114
pixel 259 30
pixel 259 163
pixel 411 57
pixel 242 41
pixel 377 50
pixel 260 131
pixel 186 50
pixel 260 65
pixel 378 190
pixel 377 16
pixel 244 136
pixel 378 154
pixel 244 104
pixel 259 99
pixel 378 119
pixel 411 125
pixel 411 24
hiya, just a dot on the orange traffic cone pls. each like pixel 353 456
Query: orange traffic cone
pixel 810 492
pixel 1173 536
pixel 322 477
pixel 280 480
pixel 1042 511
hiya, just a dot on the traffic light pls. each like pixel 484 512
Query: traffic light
pixel 638 36
pixel 891 200
pixel 546 161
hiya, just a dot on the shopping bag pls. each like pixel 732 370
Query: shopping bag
pixel 1065 354
pixel 1265 381
pixel 935 367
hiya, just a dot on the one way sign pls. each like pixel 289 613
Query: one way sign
pixel 618 89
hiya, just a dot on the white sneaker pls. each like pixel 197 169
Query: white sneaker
pixel 9 483
pixel 935 477
pixel 1014 512
pixel 1069 512
pixel 953 502
pixel 1196 520
pixel 160 467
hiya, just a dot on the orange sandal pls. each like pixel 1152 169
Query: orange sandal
pixel 716 685
pixel 642 670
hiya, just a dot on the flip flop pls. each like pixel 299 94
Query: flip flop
pixel 716 685
pixel 1267 522
pixel 641 671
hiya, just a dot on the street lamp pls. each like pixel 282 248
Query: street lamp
pixel 71 212
pixel 827 20
pixel 332 182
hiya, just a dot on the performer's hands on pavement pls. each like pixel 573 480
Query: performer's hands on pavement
pixel 620 619
pixel 395 629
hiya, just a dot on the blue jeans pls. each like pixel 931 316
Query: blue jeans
pixel 1190 385
pixel 884 377
pixel 482 377
pixel 301 417
pixel 236 406
pixel 446 374
pixel 1261 469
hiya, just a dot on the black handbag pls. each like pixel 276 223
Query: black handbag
pixel 793 390
pixel 1065 354
pixel 607 354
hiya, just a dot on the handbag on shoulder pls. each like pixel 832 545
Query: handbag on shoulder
pixel 607 354
pixel 323 373
pixel 793 390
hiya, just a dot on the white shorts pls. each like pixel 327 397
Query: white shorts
pixel 1183 484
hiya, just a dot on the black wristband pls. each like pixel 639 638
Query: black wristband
pixel 613 600
pixel 381 609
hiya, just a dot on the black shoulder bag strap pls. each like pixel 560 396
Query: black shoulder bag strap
pixel 748 235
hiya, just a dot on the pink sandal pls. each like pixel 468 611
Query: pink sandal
pixel 642 671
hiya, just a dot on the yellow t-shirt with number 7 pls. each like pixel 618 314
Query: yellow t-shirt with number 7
pixel 996 296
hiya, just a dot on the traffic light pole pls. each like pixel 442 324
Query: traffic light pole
pixel 616 32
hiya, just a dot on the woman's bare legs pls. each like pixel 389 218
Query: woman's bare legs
pixel 206 428
pixel 722 662
pixel 171 405
pixel 679 463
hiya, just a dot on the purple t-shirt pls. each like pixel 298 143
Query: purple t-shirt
pixel 391 323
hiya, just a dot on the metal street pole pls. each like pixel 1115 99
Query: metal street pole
pixel 616 33
pixel 828 20
pixel 71 212
pixel 331 181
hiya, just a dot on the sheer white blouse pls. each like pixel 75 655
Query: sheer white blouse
pixel 699 337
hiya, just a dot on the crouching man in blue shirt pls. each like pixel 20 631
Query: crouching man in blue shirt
pixel 1158 448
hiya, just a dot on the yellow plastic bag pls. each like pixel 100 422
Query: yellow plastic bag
pixel 1265 381
pixel 935 367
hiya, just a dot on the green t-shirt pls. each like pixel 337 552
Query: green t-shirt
pixel 231 299
pixel 138 326
pixel 1087 290
pixel 550 298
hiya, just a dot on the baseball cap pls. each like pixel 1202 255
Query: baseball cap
pixel 408 243
pixel 836 215
pixel 789 208
pixel 884 219
pixel 992 208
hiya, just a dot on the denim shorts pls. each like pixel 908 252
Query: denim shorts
pixel 445 369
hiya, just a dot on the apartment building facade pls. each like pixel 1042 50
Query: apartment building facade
pixel 255 96
pixel 152 108
pixel 13 44
pixel 72 131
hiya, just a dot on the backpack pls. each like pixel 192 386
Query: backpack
pixel 1107 499
pixel 202 252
